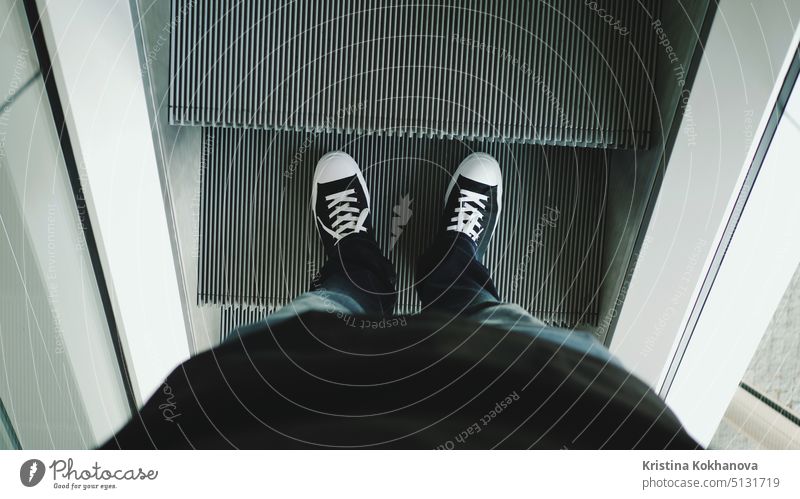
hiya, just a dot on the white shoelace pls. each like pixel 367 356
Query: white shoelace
pixel 468 216
pixel 346 219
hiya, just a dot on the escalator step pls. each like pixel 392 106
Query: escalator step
pixel 570 72
pixel 259 247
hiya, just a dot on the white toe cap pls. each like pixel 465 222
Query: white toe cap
pixel 480 167
pixel 334 166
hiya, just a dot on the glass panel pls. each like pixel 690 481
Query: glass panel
pixel 775 368
pixel 61 385
pixel 765 411
pixel 8 437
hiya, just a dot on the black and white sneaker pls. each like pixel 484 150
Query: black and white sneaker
pixel 473 199
pixel 340 199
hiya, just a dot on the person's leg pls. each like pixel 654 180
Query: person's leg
pixel 450 276
pixel 356 278
pixel 454 281
pixel 356 268
pixel 354 265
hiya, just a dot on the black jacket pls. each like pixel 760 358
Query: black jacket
pixel 419 382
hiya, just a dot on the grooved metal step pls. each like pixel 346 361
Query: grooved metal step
pixel 530 71
pixel 259 247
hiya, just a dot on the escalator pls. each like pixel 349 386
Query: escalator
pixel 569 96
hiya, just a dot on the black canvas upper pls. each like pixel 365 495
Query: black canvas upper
pixel 322 211
pixel 490 212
